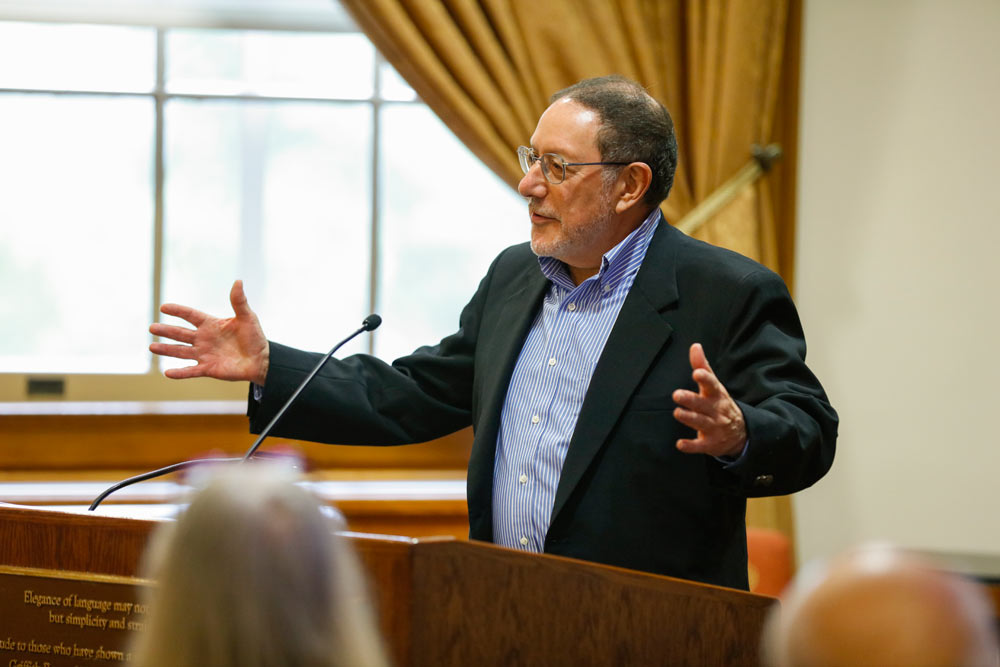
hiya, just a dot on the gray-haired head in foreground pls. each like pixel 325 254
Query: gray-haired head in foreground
pixel 634 128
pixel 252 574
pixel 880 605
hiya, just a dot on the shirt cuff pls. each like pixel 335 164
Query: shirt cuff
pixel 730 461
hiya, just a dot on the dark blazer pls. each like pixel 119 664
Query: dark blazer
pixel 626 496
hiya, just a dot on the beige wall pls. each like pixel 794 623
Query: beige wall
pixel 899 269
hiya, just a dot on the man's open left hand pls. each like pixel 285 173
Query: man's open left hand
pixel 711 412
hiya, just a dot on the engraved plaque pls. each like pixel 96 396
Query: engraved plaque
pixel 51 618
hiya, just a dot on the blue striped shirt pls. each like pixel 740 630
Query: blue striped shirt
pixel 549 383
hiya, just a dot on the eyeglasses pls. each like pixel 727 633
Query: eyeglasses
pixel 553 166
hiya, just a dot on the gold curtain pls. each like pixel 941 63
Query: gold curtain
pixel 726 69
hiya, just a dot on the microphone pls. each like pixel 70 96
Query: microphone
pixel 370 323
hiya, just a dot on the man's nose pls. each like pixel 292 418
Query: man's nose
pixel 533 183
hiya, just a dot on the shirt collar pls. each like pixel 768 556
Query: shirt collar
pixel 616 263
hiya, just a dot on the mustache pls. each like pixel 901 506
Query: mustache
pixel 535 207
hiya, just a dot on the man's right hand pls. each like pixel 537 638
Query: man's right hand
pixel 226 349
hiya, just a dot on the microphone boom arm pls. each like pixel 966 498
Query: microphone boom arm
pixel 370 323
pixel 151 475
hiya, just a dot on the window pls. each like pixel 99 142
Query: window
pixel 149 160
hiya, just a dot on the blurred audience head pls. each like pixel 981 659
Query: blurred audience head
pixel 253 574
pixel 879 605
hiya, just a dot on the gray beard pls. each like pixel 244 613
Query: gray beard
pixel 581 236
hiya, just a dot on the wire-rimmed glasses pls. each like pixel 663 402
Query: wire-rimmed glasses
pixel 553 166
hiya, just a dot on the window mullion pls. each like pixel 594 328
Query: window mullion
pixel 376 142
pixel 159 98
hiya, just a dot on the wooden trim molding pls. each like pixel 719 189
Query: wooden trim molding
pixel 144 436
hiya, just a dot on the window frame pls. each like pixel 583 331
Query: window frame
pixel 152 385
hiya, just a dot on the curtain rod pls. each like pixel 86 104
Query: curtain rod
pixel 763 159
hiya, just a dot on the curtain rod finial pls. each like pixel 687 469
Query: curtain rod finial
pixel 766 156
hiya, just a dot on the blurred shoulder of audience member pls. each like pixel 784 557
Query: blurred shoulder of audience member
pixel 880 605
pixel 252 574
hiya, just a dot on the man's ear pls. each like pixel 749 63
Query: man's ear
pixel 632 185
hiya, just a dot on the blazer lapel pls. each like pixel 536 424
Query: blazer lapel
pixel 640 332
pixel 517 311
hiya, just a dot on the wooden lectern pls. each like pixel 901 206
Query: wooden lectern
pixel 441 601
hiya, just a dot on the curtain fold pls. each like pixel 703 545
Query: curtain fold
pixel 487 68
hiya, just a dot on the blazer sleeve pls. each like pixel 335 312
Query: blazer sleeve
pixel 791 426
pixel 361 400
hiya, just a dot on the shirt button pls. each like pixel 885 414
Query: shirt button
pixel 552 361
pixel 571 307
pixel 523 479
pixel 524 541
pixel 607 288
pixel 535 419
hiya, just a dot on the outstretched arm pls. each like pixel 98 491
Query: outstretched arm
pixel 234 348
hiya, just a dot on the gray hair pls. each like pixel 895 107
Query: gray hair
pixel 252 574
pixel 634 128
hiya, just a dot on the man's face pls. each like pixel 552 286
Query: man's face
pixel 573 221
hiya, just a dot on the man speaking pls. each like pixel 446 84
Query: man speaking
pixel 629 387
